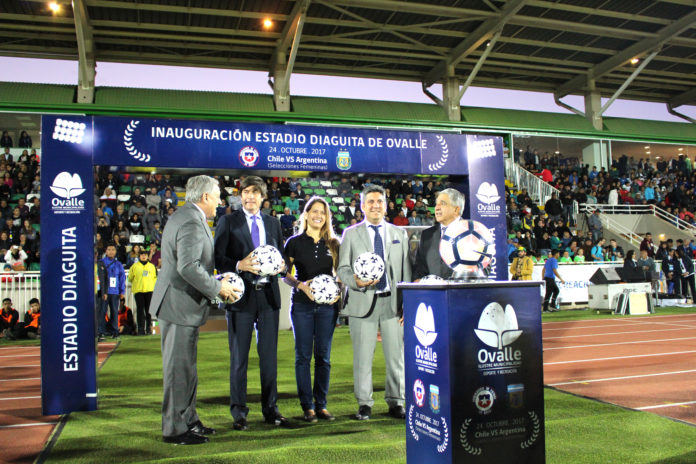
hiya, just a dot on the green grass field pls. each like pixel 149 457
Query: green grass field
pixel 126 428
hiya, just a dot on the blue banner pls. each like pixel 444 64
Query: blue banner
pixel 68 355
pixel 474 373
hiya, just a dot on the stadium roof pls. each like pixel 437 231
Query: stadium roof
pixel 560 46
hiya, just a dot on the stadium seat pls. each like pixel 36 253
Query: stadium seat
pixel 124 189
pixel 123 197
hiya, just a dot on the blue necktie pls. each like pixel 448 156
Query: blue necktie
pixel 255 238
pixel 379 251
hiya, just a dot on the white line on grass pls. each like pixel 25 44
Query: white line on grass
pixel 20 380
pixel 609 379
pixel 620 343
pixel 33 424
pixel 620 357
pixel 669 405
pixel 616 333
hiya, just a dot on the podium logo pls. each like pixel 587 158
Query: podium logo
pixel 425 325
pixel 497 327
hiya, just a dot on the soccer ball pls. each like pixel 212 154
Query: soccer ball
pixel 467 246
pixel 324 288
pixel 269 260
pixel 431 279
pixel 368 267
pixel 235 280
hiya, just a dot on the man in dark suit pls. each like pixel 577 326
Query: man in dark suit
pixel 236 236
pixel 449 206
pixel 373 306
pixel 180 301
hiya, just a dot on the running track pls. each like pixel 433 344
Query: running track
pixel 643 363
pixel 23 430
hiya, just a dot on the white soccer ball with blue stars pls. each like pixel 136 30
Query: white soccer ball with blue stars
pixel 324 288
pixel 368 266
pixel 269 260
pixel 467 246
pixel 235 280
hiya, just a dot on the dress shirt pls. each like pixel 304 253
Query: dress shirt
pixel 382 233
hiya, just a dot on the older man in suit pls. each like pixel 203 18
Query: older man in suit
pixel 180 301
pixel 236 236
pixel 373 306
pixel 449 206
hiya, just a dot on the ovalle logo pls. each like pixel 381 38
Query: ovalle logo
pixel 488 195
pixel 498 329
pixel 424 328
pixel 67 188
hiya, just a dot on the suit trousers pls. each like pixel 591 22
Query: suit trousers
pixel 363 333
pixel 180 377
pixel 240 326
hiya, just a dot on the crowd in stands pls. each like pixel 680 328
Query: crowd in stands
pixel 20 192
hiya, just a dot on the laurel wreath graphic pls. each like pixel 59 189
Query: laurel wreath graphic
pixel 410 423
pixel 443 446
pixel 128 143
pixel 443 158
pixel 464 441
pixel 535 431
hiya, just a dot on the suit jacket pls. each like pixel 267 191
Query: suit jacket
pixel 356 240
pixel 428 260
pixel 233 243
pixel 185 285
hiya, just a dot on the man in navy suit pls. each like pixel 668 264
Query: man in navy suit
pixel 236 236
pixel 449 206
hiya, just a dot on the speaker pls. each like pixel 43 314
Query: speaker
pixel 605 275
pixel 630 274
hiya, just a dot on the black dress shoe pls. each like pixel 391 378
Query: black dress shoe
pixel 278 420
pixel 397 412
pixel 199 429
pixel 240 424
pixel 364 413
pixel 323 414
pixel 310 416
pixel 187 438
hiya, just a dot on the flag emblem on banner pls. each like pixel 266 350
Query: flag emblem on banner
pixel 343 160
pixel 419 392
pixel 484 398
pixel 249 156
pixel 435 398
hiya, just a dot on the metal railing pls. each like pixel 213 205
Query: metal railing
pixel 609 223
pixel 20 287
pixel 641 209
pixel 537 189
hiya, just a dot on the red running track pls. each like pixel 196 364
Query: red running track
pixel 643 363
pixel 23 429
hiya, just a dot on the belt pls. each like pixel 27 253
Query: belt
pixel 261 286
pixel 384 295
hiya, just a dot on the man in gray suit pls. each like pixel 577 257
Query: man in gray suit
pixel 373 306
pixel 181 300
pixel 449 206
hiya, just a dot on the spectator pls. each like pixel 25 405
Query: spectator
pixel 293 203
pixel 6 140
pixel 428 220
pixel 143 276
pixel 401 219
pixel 351 210
pixel 167 200
pixel 629 265
pixel 8 317
pixel 156 233
pixel 647 244
pixel 672 271
pixel 133 256
pixel 137 208
pixel 126 325
pixel 553 208
pixel 287 222
pixel 235 200
pixel 31 327
pixel 522 266
pixel 598 250
pixel 595 224
pixel 122 231
pixel 266 208
pixel 414 219
pixel 645 263
pixel 152 199
pixel 686 266
pixel 566 257
pixel 115 285
pixel 16 257
pixel 344 188
pixel 149 220
pixel 135 225
pixel 5 243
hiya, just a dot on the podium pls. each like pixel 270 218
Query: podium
pixel 474 372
